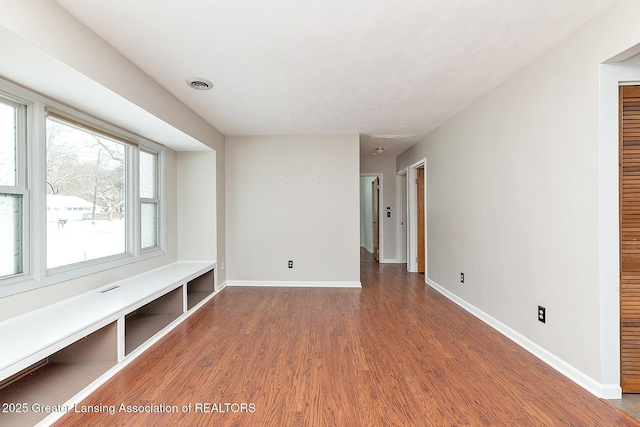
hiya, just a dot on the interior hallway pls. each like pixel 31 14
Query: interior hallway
pixel 395 352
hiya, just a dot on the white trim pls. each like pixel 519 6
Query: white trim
pixel 120 325
pixel 21 185
pixel 613 73
pixel 608 227
pixel 38 176
pixel 388 261
pixel 19 286
pixel 412 214
pixel 401 216
pixel 292 284
pixel 604 391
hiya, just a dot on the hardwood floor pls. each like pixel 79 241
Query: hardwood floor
pixel 394 353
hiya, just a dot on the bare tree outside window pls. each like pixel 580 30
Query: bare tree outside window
pixel 85 195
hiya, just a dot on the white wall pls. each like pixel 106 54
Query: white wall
pixel 513 198
pixel 387 167
pixel 196 210
pixel 51 36
pixel 293 198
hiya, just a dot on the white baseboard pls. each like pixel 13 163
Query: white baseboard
pixel 293 284
pixel 388 261
pixel 604 391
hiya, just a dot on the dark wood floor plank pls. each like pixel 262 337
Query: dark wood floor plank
pixel 394 353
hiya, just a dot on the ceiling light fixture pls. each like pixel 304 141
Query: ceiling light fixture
pixel 406 136
pixel 377 151
pixel 199 83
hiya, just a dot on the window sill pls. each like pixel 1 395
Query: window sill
pixel 19 284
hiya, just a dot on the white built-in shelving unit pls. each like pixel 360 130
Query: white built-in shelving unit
pixel 57 355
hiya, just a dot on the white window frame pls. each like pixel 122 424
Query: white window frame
pixel 32 171
pixel 21 186
pixel 159 152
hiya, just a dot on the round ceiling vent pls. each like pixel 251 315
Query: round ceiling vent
pixel 199 83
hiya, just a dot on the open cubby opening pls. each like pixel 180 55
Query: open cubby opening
pixel 57 378
pixel 148 320
pixel 200 288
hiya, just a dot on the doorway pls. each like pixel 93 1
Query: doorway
pixel 402 203
pixel 375 208
pixel 629 97
pixel 371 225
pixel 421 223
pixel 416 218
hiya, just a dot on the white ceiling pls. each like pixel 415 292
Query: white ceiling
pixel 283 67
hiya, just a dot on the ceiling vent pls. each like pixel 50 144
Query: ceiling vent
pixel 199 83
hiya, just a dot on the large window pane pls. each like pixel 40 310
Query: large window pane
pixel 8 144
pixel 10 234
pixel 85 195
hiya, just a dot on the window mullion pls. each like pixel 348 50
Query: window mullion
pixel 37 176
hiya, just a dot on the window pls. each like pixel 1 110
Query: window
pixel 86 190
pixel 148 199
pixel 12 188
pixel 77 196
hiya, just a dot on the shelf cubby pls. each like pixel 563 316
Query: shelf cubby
pixel 200 288
pixel 148 320
pixel 57 378
pixel 61 351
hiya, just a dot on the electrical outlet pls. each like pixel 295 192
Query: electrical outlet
pixel 290 264
pixel 542 314
pixel 223 265
pixel 461 277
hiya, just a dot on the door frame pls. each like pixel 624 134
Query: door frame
pixel 412 217
pixel 613 73
pixel 375 214
pixel 380 210
pixel 401 222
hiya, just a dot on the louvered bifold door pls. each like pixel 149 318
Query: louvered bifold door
pixel 630 238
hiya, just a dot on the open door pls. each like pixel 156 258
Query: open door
pixel 420 201
pixel 375 190
pixel 402 218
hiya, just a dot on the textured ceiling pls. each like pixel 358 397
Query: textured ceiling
pixel 332 66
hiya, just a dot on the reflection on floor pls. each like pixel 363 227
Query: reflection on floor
pixel 366 256
pixel 630 403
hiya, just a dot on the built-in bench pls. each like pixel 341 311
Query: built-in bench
pixel 53 357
